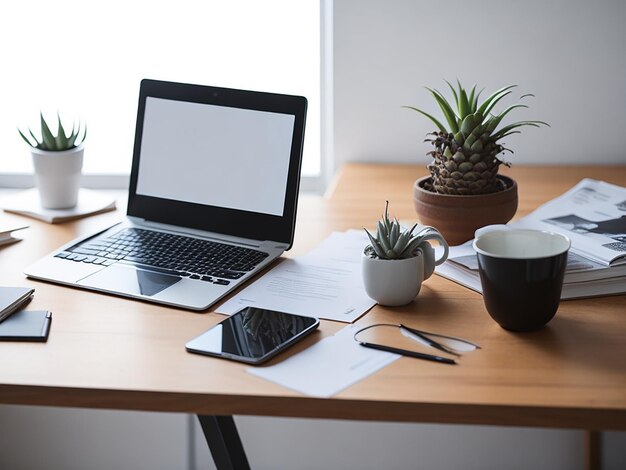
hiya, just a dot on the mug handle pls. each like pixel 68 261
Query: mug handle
pixel 433 234
pixel 429 252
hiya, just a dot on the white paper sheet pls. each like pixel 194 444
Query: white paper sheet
pixel 327 367
pixel 325 283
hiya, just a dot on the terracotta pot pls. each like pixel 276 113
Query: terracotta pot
pixel 458 217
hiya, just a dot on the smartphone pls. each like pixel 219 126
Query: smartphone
pixel 253 335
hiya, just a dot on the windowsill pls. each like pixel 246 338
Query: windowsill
pixel 308 184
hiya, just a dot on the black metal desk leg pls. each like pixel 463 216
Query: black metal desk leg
pixel 221 434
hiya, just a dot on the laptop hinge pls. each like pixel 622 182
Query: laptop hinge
pixel 267 244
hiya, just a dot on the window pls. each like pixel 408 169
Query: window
pixel 86 59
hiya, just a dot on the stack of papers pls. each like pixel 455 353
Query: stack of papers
pixel 27 203
pixel 593 216
pixel 324 283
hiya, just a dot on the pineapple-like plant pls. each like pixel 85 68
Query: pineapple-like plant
pixel 394 242
pixel 55 143
pixel 467 150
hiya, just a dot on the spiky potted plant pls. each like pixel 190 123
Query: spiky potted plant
pixel 58 162
pixel 398 260
pixel 464 190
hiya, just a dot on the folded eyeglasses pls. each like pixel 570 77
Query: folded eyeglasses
pixel 447 344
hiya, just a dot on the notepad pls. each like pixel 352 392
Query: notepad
pixel 26 325
pixel 6 232
pixel 12 299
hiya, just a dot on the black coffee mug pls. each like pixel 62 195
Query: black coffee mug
pixel 521 273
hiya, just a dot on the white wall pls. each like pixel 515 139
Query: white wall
pixel 569 53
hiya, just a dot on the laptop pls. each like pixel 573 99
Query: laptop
pixel 212 198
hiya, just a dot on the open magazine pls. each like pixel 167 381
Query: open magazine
pixel 593 215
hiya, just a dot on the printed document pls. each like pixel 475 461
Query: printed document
pixel 328 366
pixel 325 283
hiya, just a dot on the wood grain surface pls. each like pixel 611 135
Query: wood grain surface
pixel 110 352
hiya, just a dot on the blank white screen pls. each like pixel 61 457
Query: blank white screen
pixel 214 155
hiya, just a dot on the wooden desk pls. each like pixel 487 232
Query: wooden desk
pixel 110 352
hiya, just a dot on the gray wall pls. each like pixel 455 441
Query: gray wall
pixel 569 53
pixel 75 439
pixel 45 438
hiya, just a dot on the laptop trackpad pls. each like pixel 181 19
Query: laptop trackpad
pixel 129 280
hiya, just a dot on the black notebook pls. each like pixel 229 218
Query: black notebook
pixel 26 326
pixel 12 299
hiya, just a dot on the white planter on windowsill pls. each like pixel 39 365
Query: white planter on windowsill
pixel 57 176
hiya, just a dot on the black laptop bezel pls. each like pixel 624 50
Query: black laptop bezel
pixel 221 220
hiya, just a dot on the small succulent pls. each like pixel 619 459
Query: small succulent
pixel 466 151
pixel 394 242
pixel 59 142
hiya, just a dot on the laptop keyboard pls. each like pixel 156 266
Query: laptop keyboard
pixel 169 254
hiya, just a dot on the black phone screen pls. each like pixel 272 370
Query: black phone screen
pixel 253 335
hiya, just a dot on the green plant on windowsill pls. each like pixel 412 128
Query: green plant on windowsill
pixel 55 143
pixel 58 162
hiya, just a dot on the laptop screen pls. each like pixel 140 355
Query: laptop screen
pixel 218 159
pixel 214 155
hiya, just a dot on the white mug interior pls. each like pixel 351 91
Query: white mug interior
pixel 521 244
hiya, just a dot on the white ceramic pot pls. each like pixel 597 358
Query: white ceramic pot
pixel 57 176
pixel 393 282
pixel 397 282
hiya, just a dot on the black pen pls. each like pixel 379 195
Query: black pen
pixel 405 352
pixel 430 342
